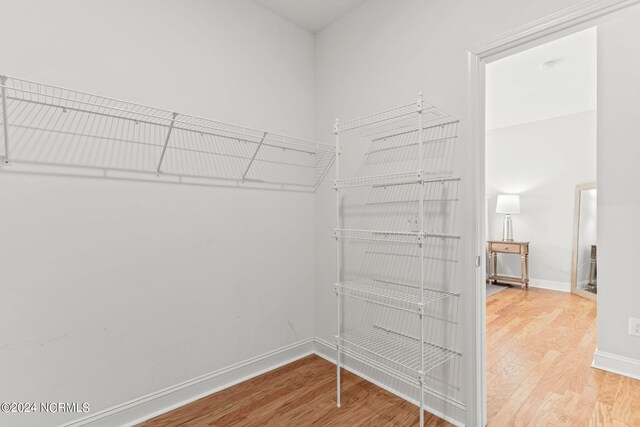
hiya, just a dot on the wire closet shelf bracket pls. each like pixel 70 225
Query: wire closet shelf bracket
pixel 395 252
pixel 53 126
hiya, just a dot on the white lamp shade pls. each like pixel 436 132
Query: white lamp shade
pixel 508 204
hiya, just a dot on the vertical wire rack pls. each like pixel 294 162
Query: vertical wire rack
pixel 399 248
pixel 49 125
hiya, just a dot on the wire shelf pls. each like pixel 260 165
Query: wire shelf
pixel 398 121
pixel 391 114
pixel 390 236
pixel 400 152
pixel 394 350
pixel 64 127
pixel 402 296
pixel 432 120
pixel 387 180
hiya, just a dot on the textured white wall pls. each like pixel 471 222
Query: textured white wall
pixel 542 161
pixel 115 289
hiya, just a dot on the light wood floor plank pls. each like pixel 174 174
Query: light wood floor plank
pixel 601 415
pixel 563 388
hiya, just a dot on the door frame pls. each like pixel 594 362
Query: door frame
pixel 540 31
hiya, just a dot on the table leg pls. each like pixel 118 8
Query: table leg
pixel 495 265
pixel 489 273
pixel 525 271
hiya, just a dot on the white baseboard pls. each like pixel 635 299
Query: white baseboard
pixel 455 411
pixel 154 404
pixel 617 364
pixel 552 285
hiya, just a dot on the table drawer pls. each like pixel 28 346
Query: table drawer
pixel 506 247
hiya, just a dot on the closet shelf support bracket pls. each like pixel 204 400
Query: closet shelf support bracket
pixel 166 142
pixel 255 153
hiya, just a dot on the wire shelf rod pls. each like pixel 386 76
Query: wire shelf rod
pixel 422 181
pixel 401 233
pixel 166 174
pixel 441 235
pixel 394 233
pixel 392 179
pixel 258 181
pixel 394 202
pixel 418 236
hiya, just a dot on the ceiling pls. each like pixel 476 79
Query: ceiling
pixel 312 15
pixel 551 80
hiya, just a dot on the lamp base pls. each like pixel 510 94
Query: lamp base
pixel 507 229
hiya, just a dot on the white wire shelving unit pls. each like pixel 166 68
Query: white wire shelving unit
pixel 49 125
pixel 394 352
pixel 396 254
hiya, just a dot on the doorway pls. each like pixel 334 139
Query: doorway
pixel 546 29
pixel 540 143
pixel 540 147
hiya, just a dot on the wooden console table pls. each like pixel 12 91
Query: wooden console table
pixel 518 248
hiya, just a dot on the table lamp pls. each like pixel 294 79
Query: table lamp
pixel 508 204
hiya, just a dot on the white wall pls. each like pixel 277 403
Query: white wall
pixel 381 55
pixel 542 161
pixel 115 289
pixel 618 195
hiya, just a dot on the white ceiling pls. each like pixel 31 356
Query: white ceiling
pixel 312 15
pixel 520 89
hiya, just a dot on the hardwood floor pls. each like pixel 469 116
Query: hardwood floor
pixel 539 350
pixel 540 346
pixel 299 394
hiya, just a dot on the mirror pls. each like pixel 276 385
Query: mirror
pixel 584 271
